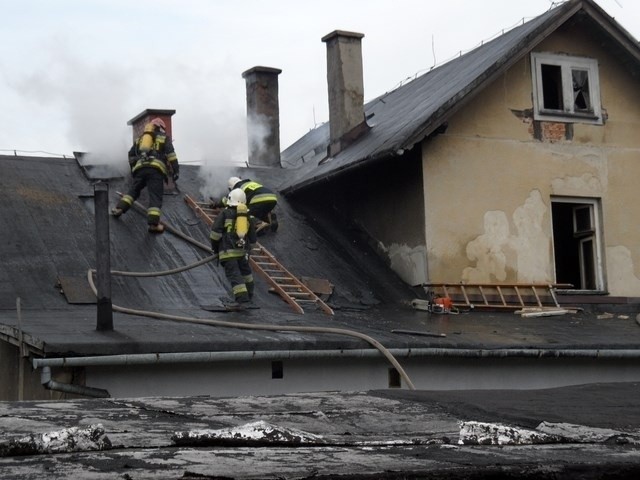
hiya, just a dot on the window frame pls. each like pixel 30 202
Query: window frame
pixel 567 64
pixel 594 235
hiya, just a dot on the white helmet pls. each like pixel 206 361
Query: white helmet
pixel 233 181
pixel 236 197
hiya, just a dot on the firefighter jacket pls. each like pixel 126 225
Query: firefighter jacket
pixel 255 193
pixel 224 239
pixel 162 155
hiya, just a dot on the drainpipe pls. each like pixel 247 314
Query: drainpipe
pixel 50 384
pixel 210 357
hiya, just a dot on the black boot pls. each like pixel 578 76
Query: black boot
pixel 273 221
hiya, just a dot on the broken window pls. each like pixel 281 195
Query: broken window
pixel 565 88
pixel 577 243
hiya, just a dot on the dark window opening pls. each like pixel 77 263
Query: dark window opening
pixel 574 244
pixel 394 378
pixel 277 369
pixel 552 87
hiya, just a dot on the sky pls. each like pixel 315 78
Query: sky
pixel 73 72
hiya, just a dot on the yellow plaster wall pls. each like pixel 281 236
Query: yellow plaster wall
pixel 488 181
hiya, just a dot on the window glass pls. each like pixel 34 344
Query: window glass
pixel 581 95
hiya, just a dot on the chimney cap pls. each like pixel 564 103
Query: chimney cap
pixel 149 112
pixel 342 33
pixel 259 69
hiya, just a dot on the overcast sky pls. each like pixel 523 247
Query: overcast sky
pixel 73 72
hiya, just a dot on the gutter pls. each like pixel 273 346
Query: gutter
pixel 213 357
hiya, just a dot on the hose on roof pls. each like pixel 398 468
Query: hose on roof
pixel 246 326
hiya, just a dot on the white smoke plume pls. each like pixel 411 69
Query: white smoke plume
pixel 257 132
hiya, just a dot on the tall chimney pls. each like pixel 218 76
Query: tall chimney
pixel 263 116
pixel 346 88
pixel 139 121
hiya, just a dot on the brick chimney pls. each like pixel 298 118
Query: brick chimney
pixel 263 116
pixel 346 88
pixel 139 121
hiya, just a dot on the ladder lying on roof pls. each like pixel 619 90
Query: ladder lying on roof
pixel 285 284
pixel 497 296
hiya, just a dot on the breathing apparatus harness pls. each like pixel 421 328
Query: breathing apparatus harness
pixel 241 224
pixel 148 150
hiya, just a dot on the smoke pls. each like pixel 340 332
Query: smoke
pixel 258 131
pixel 93 103
pixel 88 101
pixel 83 98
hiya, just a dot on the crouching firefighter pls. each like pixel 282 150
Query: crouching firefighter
pixel 233 234
pixel 152 159
pixel 261 201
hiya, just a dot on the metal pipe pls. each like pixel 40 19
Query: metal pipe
pixel 50 384
pixel 210 357
pixel 103 257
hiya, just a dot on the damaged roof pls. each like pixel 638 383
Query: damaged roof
pixel 48 246
pixel 549 434
pixel 405 116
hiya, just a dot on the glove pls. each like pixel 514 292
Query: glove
pixel 175 177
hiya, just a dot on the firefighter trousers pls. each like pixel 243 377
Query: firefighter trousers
pixel 153 180
pixel 238 272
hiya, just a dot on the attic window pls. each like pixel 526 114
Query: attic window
pixel 565 88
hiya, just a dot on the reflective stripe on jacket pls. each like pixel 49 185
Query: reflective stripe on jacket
pixel 255 192
pixel 162 156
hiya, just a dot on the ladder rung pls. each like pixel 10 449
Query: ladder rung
pixel 287 286
pixel 498 296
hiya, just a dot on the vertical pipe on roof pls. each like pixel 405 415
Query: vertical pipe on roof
pixel 103 257
pixel 263 116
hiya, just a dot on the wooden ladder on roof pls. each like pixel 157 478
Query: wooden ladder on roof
pixel 283 282
pixel 497 296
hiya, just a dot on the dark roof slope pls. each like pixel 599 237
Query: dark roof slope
pixel 48 245
pixel 403 117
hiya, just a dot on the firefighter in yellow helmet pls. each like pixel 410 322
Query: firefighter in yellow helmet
pixel 152 159
pixel 233 234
